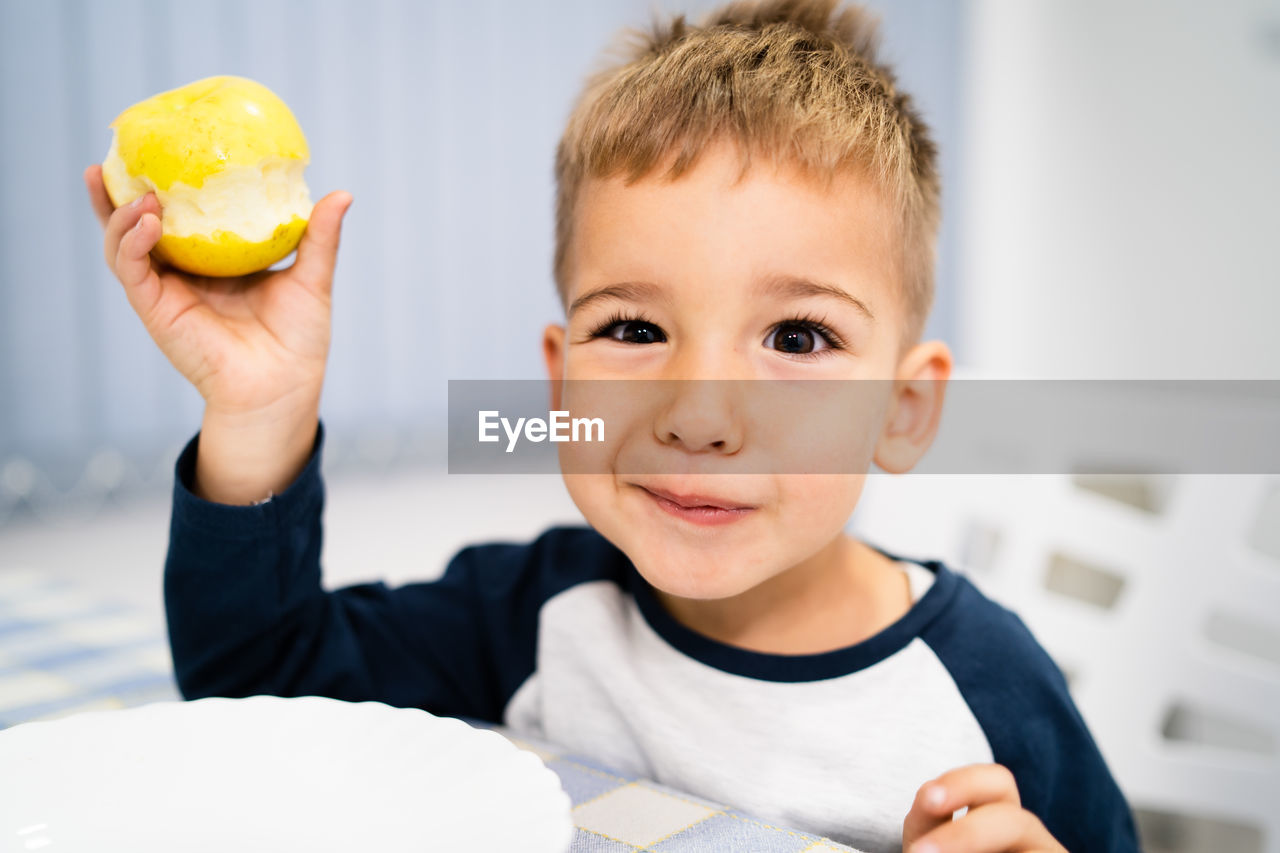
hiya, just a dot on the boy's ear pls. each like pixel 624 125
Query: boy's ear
pixel 915 409
pixel 553 354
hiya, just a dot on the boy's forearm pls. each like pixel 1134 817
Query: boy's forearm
pixel 243 459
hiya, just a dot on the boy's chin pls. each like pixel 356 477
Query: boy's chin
pixel 702 581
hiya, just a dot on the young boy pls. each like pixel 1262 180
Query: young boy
pixel 748 199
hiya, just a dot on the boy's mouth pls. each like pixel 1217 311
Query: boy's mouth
pixel 698 509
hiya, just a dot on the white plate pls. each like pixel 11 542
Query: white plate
pixel 265 773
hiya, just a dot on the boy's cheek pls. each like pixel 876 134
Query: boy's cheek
pixel 590 494
pixel 623 421
pixel 816 507
pixel 822 497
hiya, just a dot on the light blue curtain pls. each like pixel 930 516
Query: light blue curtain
pixel 441 118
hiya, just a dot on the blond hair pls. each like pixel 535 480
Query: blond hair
pixel 794 80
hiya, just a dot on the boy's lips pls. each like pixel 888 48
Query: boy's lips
pixel 699 509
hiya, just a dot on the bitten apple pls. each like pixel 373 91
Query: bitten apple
pixel 225 157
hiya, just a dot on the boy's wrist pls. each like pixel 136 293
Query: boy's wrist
pixel 245 461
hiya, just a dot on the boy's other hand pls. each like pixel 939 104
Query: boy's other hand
pixel 248 345
pixel 994 822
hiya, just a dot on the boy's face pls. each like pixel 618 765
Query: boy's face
pixel 703 278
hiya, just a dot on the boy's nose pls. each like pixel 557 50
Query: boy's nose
pixel 700 416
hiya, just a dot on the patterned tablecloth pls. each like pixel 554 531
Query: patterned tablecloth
pixel 63 651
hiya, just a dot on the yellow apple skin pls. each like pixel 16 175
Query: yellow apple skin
pixel 224 156
pixel 225 254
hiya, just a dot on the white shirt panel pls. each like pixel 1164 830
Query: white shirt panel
pixel 850 752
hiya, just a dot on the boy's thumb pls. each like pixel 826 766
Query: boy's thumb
pixel 318 250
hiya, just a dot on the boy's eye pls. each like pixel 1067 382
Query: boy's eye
pixel 633 332
pixel 796 339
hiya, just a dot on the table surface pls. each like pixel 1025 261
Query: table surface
pixel 64 650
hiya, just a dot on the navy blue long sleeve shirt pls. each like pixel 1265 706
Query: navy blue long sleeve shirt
pixel 563 639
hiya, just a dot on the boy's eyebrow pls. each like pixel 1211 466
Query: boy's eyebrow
pixel 786 286
pixel 796 287
pixel 626 291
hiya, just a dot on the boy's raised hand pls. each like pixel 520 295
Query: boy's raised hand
pixel 254 347
pixel 244 343
pixel 994 823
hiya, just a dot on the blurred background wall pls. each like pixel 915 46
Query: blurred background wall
pixel 1120 184
pixel 1111 185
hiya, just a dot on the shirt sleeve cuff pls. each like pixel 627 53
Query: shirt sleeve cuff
pixel 302 497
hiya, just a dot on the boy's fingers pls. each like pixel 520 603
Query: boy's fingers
pixel 972 786
pixel 133 263
pixel 965 787
pixel 992 828
pixel 98 197
pixel 121 221
pixel 318 251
